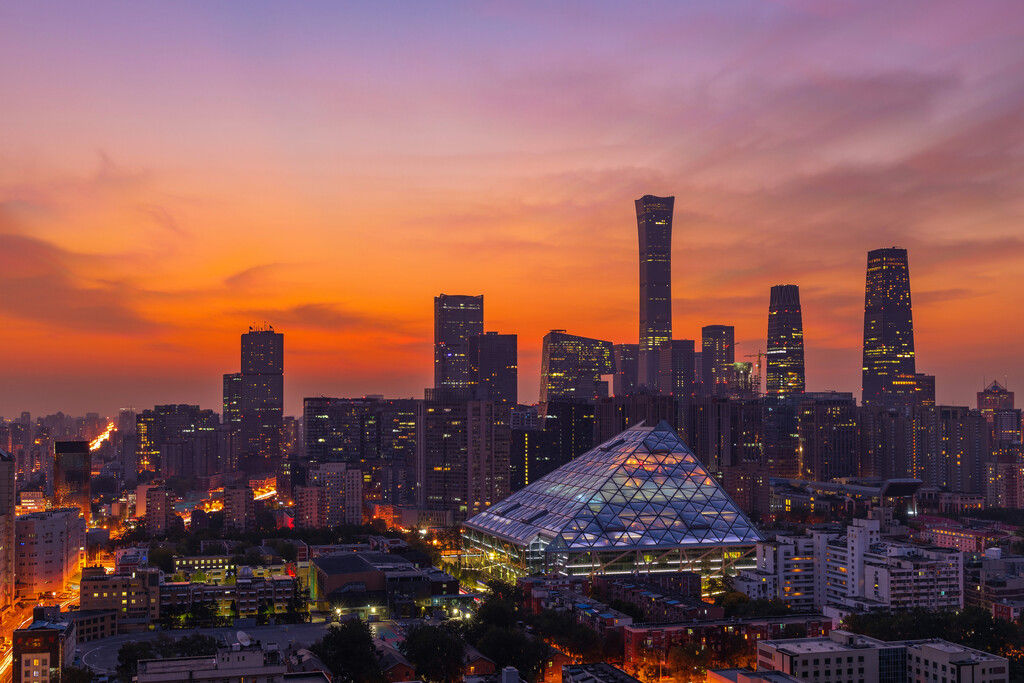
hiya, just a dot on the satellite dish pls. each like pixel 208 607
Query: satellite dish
pixel 244 638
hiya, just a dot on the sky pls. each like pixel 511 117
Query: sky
pixel 171 173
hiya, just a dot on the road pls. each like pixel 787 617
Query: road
pixel 101 655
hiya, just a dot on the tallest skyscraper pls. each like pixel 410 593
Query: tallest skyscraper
pixel 889 369
pixel 654 224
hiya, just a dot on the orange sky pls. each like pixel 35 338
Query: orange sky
pixel 170 175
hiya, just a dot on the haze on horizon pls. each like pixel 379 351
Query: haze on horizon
pixel 171 174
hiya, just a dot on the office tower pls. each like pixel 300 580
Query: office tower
pixel 829 437
pixel 72 472
pixel 994 397
pixel 456 318
pixel 654 225
pixel 889 368
pixel 493 368
pixel 785 372
pixel 571 367
pixel 262 399
pixel 718 354
pixel 1006 425
pixel 232 414
pixel 51 548
pixel 239 508
pixel 7 515
pixel 924 389
pixel 625 365
pixel 678 375
pixel 889 443
pixel 441 443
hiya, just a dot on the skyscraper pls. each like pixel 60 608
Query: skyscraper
pixel 889 368
pixel 654 225
pixel 678 376
pixel 72 472
pixel 718 354
pixel 262 398
pixel 456 319
pixel 785 373
pixel 232 414
pixel 571 367
pixel 7 517
pixel 493 367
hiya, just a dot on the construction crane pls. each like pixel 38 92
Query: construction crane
pixel 757 382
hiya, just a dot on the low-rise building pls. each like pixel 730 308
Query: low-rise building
pixel 238 664
pixel 599 672
pixel 848 657
pixel 656 603
pixel 134 595
pixel 43 648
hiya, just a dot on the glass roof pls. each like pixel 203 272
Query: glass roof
pixel 641 489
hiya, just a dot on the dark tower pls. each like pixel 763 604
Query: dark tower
pixel 72 474
pixel 456 319
pixel 718 355
pixel 654 224
pixel 493 367
pixel 785 374
pixel 261 405
pixel 888 370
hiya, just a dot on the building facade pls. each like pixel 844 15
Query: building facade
pixel 784 375
pixel 654 226
pixel 889 368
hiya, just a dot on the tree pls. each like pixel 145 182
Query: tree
pixel 128 658
pixel 196 645
pixel 76 674
pixel 348 651
pixel 436 652
pixel 513 648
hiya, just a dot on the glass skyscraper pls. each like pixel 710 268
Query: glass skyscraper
pixel 571 367
pixel 785 372
pixel 654 225
pixel 456 319
pixel 889 368
pixel 262 398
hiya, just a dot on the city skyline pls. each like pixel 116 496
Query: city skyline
pixel 142 228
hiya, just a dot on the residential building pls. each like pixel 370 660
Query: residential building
pixel 343 493
pixel 8 515
pixel 42 649
pixel 718 354
pixel 72 472
pixel 49 550
pixel 494 368
pixel 239 508
pixel 237 664
pixel 159 510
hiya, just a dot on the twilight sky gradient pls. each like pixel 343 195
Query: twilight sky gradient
pixel 172 172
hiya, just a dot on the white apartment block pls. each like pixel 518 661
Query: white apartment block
pixel 842 573
pixel 49 550
pixel 845 657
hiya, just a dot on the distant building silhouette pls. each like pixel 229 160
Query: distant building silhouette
pixel 785 371
pixel 654 225
pixel 494 367
pixel 718 355
pixel 572 367
pixel 72 472
pixel 262 399
pixel 232 414
pixel 456 318
pixel 889 366
pixel 994 397
pixel 678 376
pixel 626 366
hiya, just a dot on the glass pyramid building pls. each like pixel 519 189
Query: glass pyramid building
pixel 638 502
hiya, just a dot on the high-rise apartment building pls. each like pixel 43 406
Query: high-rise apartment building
pixel 72 472
pixel 829 443
pixel 571 367
pixel 654 225
pixel 889 367
pixel 457 317
pixel 159 510
pixel 179 427
pixel 239 508
pixel 262 399
pixel 718 354
pixel 625 364
pixel 7 516
pixel 343 491
pixel 488 448
pixel 785 372
pixel 494 368
pixel 50 550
